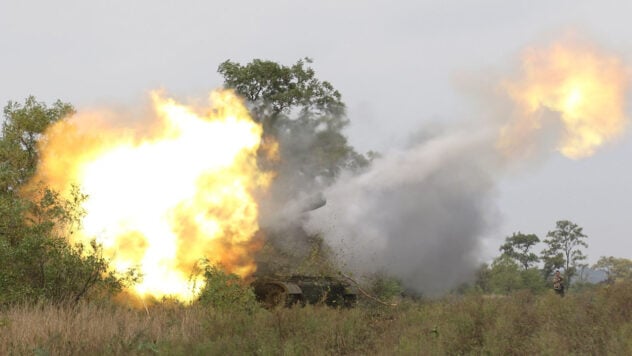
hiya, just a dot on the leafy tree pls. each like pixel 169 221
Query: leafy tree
pixel 275 91
pixel 564 249
pixel 23 125
pixel 616 269
pixel 518 246
pixel 304 114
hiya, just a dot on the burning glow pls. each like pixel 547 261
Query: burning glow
pixel 166 194
pixel 586 89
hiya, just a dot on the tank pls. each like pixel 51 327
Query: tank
pixel 286 291
pixel 300 290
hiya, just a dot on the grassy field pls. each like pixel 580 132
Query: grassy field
pixel 596 322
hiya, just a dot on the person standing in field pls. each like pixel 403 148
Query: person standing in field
pixel 558 283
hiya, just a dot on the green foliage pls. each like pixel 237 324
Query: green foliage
pixel 274 90
pixel 41 264
pixel 23 125
pixel 552 262
pixel 564 249
pixel 304 114
pixel 225 291
pixel 518 246
pixel 36 259
pixel 385 287
pixel 616 269
pixel 506 276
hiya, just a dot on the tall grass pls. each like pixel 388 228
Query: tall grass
pixel 591 322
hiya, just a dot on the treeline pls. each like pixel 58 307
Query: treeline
pixel 518 267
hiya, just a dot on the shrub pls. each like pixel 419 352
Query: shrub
pixel 225 291
pixel 38 261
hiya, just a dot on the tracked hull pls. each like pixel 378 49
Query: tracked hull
pixel 301 290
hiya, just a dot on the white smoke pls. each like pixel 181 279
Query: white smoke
pixel 418 214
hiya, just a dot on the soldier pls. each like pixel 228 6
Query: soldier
pixel 558 283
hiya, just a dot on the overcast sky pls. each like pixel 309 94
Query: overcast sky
pixel 397 64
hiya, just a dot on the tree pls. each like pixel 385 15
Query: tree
pixel 303 114
pixel 564 249
pixel 23 125
pixel 275 91
pixel 518 246
pixel 616 269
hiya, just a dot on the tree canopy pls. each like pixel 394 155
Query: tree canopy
pixel 303 114
pixel 518 246
pixel 22 127
pixel 274 90
pixel 564 249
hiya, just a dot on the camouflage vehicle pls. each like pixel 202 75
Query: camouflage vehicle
pixel 299 290
pixel 274 291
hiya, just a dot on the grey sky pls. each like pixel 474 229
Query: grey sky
pixel 397 64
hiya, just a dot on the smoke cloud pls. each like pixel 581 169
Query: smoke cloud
pixel 418 214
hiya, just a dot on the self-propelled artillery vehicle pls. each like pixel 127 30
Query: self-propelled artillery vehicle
pixel 300 290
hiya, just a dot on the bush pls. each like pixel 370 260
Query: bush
pixel 225 291
pixel 38 262
pixel 385 287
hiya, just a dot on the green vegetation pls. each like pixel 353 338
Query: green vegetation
pixel 616 269
pixel 37 261
pixel 225 291
pixel 518 247
pixel 304 114
pixel 516 268
pixel 564 249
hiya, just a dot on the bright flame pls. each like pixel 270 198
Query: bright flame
pixel 163 196
pixel 584 87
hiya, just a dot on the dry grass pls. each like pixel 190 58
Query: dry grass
pixel 592 322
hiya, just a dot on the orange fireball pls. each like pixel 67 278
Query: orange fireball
pixel 163 195
pixel 582 86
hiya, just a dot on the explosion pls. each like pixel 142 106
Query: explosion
pixel 166 194
pixel 583 87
